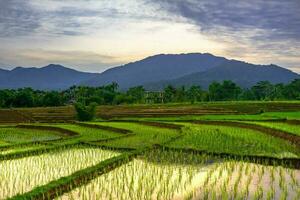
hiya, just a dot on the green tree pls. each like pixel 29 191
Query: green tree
pixel 262 90
pixel 215 91
pixel 52 98
pixel 85 113
pixel 169 94
pixel 6 97
pixel 230 91
pixel 137 94
pixel 194 93
pixel 180 94
pixel 292 90
pixel 24 98
pixel 247 94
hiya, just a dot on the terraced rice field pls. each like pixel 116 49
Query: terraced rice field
pixel 22 175
pixel 17 135
pixel 238 141
pixel 290 128
pixel 168 175
pixel 142 136
pixel 184 157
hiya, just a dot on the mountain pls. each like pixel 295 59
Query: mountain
pixel 156 68
pixel 153 73
pixel 244 74
pixel 157 71
pixel 51 77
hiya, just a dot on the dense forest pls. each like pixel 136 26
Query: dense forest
pixel 110 95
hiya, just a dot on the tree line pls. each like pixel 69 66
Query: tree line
pixel 110 95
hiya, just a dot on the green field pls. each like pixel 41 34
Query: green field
pixel 207 156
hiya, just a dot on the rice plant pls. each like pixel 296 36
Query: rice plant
pixel 18 135
pixel 233 140
pixel 22 175
pixel 174 175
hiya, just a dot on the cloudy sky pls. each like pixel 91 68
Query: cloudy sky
pixel 93 35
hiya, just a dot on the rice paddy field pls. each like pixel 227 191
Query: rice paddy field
pixel 202 156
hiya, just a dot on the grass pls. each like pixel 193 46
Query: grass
pixel 288 115
pixel 22 149
pixel 238 180
pixel 243 117
pixel 18 135
pixel 145 136
pixel 22 175
pixel 221 139
pixel 289 128
pixel 41 164
pixel 86 133
pixel 176 175
pixel 147 177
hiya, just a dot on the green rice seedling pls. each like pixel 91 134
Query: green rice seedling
pixel 87 133
pixel 257 183
pixel 19 135
pixel 148 178
pixel 145 136
pixel 22 175
pixel 236 141
pixel 22 149
pixel 289 128
pixel 258 193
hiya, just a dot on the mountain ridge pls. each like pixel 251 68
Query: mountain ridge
pixel 50 77
pixel 155 68
pixel 231 71
pixel 153 72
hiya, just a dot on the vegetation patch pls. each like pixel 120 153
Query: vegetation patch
pixel 293 163
pixel 39 170
pixel 281 126
pixel 81 177
pixel 164 174
pixel 153 123
pixel 270 131
pixel 19 135
pixel 190 151
pixel 107 128
pixel 145 136
pixel 240 180
pixel 233 140
pixel 49 128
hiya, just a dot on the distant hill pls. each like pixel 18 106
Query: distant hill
pixel 244 74
pixel 51 77
pixel 156 68
pixel 153 72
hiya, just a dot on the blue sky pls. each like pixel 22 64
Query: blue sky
pixel 93 35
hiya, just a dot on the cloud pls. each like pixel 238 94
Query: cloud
pixel 17 18
pixel 71 18
pixel 257 30
pixel 280 18
pixel 81 60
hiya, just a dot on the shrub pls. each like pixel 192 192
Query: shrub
pixel 85 113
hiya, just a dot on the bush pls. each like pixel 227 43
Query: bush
pixel 85 113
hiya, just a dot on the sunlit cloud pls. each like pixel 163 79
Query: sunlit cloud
pixel 93 35
pixel 82 60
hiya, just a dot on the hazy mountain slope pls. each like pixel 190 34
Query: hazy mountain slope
pixel 153 72
pixel 3 73
pixel 49 77
pixel 156 68
pixel 244 74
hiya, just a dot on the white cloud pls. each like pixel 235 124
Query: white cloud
pixel 91 35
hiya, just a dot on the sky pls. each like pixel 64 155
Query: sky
pixel 94 35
